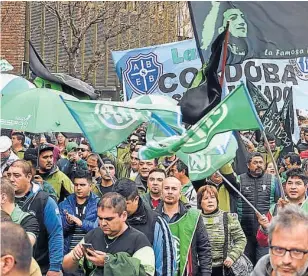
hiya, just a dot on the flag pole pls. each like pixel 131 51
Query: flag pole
pixel 240 194
pixel 103 165
pixel 172 163
pixel 224 57
pixel 275 165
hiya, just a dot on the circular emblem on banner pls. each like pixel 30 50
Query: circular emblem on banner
pixel 300 66
pixel 116 117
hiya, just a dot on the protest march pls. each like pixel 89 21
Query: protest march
pixel 198 168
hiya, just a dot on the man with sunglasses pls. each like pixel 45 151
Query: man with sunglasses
pixel 84 150
pixel 113 247
pixel 288 240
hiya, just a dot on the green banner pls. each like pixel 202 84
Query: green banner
pixel 202 164
pixel 183 232
pixel 235 112
pixel 107 124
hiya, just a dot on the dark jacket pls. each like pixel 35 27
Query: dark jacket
pixel 156 229
pixel 87 223
pixel 262 192
pixel 49 246
pixel 201 247
pixel 69 168
pixel 148 200
pixel 302 147
pixel 141 184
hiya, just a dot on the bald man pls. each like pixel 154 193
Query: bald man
pixel 179 218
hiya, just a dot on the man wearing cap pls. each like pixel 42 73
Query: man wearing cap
pixel 18 141
pixel 73 161
pixel 7 155
pixel 51 173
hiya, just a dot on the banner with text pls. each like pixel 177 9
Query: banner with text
pixel 274 78
pixel 166 69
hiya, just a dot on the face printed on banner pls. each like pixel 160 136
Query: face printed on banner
pixel 238 25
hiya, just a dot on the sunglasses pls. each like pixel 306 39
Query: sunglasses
pixel 82 149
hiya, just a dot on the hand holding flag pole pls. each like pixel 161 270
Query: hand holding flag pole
pixel 240 194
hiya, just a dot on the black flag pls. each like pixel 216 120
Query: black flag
pixel 272 124
pixel 261 30
pixel 258 99
pixel 287 111
pixel 287 119
pixel 198 101
pixel 69 84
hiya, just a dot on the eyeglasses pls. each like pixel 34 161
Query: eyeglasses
pixel 133 141
pixel 294 253
pixel 82 149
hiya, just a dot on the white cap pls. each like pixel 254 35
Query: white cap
pixel 5 143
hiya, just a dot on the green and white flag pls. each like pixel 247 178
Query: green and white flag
pixel 202 164
pixel 107 124
pixel 235 112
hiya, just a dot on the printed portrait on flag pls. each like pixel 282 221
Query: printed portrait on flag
pixel 255 28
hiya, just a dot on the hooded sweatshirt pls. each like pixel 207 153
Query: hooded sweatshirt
pixel 264 268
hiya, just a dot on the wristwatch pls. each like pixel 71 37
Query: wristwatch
pixel 107 258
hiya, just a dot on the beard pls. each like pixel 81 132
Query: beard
pixel 298 272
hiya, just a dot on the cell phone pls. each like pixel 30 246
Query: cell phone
pixel 88 246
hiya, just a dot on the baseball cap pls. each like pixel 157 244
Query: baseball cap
pixel 71 145
pixel 45 147
pixel 5 143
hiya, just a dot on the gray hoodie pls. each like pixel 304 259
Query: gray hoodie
pixel 264 268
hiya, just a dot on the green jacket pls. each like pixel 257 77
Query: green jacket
pixel 119 264
pixel 58 180
pixel 215 229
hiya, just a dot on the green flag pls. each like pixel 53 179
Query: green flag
pixel 235 112
pixel 202 164
pixel 106 124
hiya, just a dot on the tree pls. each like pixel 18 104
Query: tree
pixel 74 21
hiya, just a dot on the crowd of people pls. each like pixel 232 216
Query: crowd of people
pixel 66 210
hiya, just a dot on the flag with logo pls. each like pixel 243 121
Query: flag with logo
pixel 202 164
pixel 235 112
pixel 256 28
pixel 258 99
pixel 107 124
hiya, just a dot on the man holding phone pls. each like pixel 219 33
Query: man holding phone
pixel 78 212
pixel 114 246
